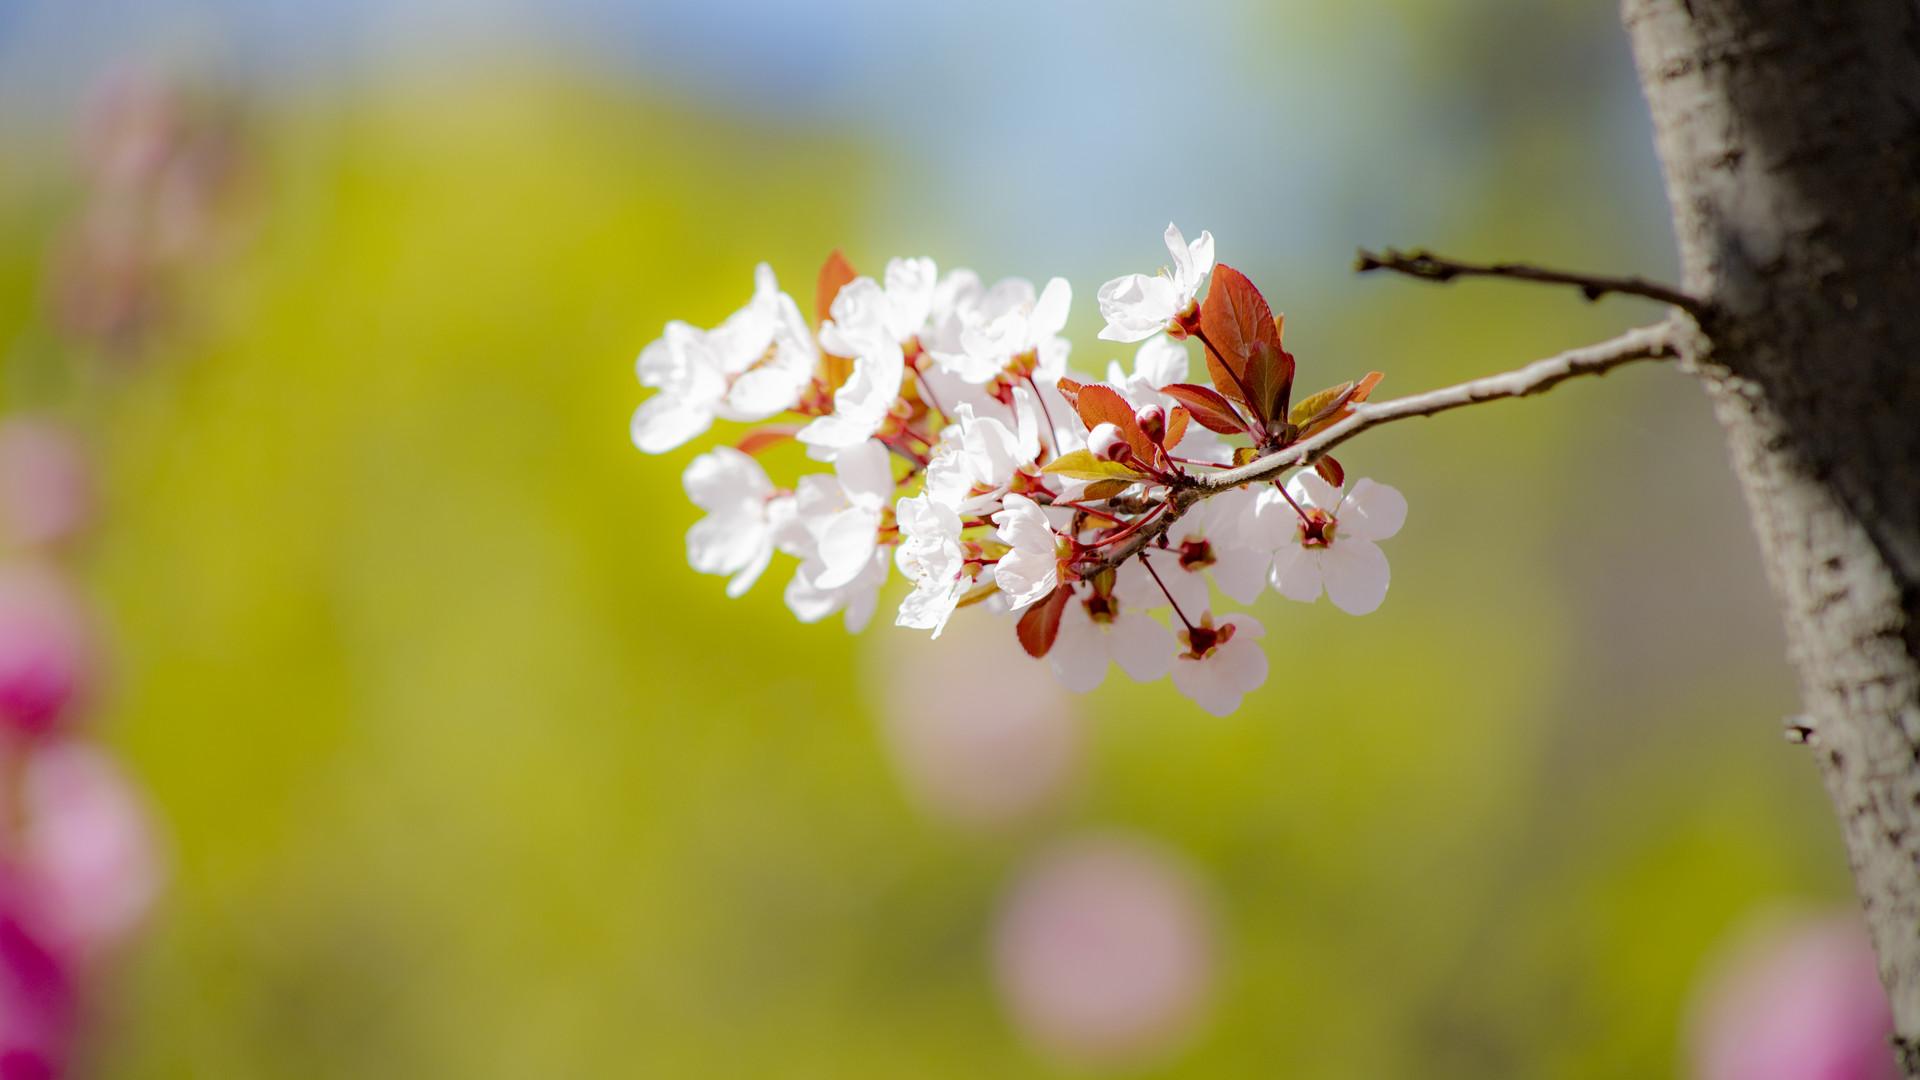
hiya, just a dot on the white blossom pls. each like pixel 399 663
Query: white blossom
pixel 931 557
pixel 744 514
pixel 834 531
pixel 752 366
pixel 1208 543
pixel 1217 673
pixel 1031 568
pixel 1337 546
pixel 1096 630
pixel 985 331
pixel 1139 306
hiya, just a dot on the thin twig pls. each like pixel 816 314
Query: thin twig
pixel 1430 267
pixel 1646 343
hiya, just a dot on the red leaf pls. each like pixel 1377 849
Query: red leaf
pixel 1234 319
pixel 1176 426
pixel 1098 404
pixel 1270 377
pixel 1070 389
pixel 1214 412
pixel 1041 622
pixel 833 277
pixel 762 438
pixel 1330 471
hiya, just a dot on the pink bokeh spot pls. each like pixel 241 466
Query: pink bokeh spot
pixel 43 650
pixel 1799 1000
pixel 981 735
pixel 89 851
pixel 1104 952
pixel 46 488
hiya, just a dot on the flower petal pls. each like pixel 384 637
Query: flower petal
pixel 1142 647
pixel 1297 573
pixel 1356 575
pixel 1079 653
pixel 1373 511
pixel 664 422
pixel 1309 489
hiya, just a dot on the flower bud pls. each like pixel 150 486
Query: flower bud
pixel 1152 420
pixel 1106 444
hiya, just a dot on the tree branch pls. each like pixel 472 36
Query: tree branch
pixel 1646 343
pixel 1430 267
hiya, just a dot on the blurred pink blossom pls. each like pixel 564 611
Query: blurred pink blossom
pixel 1795 1000
pixel 974 750
pixel 1104 952
pixel 89 853
pixel 46 488
pixel 36 995
pixel 44 650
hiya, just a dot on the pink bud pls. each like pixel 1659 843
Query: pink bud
pixel 89 851
pixel 1152 420
pixel 46 490
pixel 1105 443
pixel 1104 952
pixel 43 650
pixel 1793 1000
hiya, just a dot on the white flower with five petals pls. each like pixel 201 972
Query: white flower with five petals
pixel 1139 306
pixel 1222 663
pixel 987 330
pixel 1096 630
pixel 1208 543
pixel 1334 540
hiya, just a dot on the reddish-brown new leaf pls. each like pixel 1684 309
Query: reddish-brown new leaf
pixel 1330 471
pixel 1177 419
pixel 1234 319
pixel 1270 378
pixel 833 277
pixel 1098 404
pixel 1070 389
pixel 1215 413
pixel 1041 622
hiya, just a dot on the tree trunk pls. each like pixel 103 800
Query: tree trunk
pixel 1789 133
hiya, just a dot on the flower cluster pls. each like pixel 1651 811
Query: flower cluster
pixel 966 453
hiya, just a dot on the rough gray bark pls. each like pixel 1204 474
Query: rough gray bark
pixel 1789 132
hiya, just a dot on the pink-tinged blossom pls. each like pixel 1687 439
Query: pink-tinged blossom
pixel 1208 543
pixel 1222 662
pixel 1104 952
pixel 1336 545
pixel 1139 306
pixel 1030 569
pixel 89 854
pixel 45 654
pixel 1096 630
pixel 1798 1000
pixel 46 488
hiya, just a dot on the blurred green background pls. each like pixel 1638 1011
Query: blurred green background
pixel 463 772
